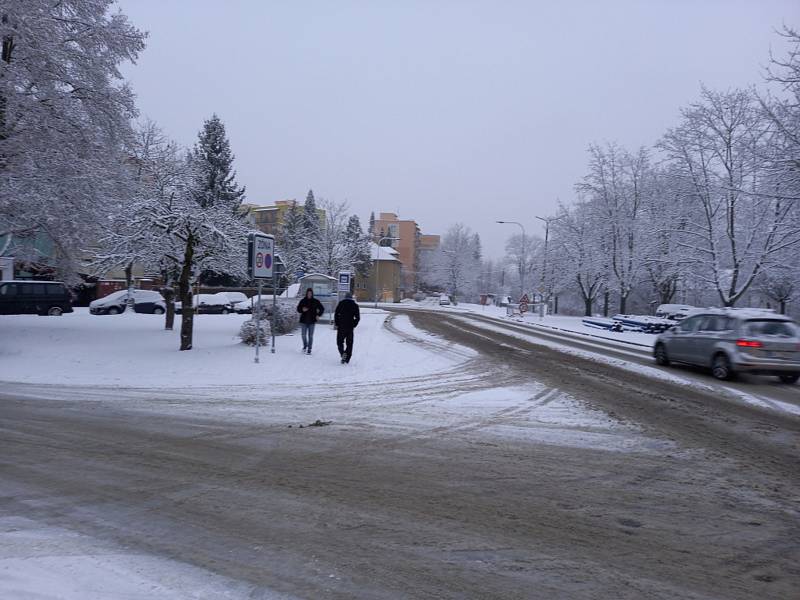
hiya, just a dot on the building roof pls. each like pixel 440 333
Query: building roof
pixel 383 253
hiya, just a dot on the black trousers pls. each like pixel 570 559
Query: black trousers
pixel 342 336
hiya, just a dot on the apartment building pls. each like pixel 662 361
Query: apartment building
pixel 411 241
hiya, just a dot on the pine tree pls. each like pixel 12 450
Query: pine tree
pixel 477 250
pixel 358 244
pixel 215 178
pixel 290 240
pixel 206 220
pixel 311 235
pixel 371 229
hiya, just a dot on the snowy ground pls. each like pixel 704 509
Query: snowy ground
pixel 135 351
pixel 405 394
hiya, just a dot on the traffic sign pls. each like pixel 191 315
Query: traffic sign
pixel 260 247
pixel 344 281
pixel 524 299
pixel 523 307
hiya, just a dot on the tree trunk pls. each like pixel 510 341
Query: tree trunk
pixel 783 307
pixel 130 304
pixel 605 303
pixel 168 293
pixel 587 306
pixel 555 305
pixel 185 293
pixel 623 303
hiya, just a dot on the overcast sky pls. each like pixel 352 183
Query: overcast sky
pixel 442 111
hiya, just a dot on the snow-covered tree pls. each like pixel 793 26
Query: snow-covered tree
pixel 332 253
pixel 215 178
pixel 358 246
pixel 208 232
pixel 616 188
pixel 738 219
pixel 64 118
pixel 290 241
pixel 311 237
pixel 521 254
pixel 455 262
pixel 578 264
pixel 129 237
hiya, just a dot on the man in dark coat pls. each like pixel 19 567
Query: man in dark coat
pixel 310 310
pixel 346 317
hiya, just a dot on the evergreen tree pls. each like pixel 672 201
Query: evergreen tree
pixel 371 229
pixel 290 240
pixel 358 244
pixel 311 236
pixel 477 249
pixel 213 160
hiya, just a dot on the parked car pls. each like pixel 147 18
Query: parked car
pixel 210 304
pixel 235 298
pixel 731 341
pixel 144 301
pixel 674 312
pixel 34 298
pixel 239 302
pixel 444 300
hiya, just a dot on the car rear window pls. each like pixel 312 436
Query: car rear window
pixel 9 289
pixel 772 328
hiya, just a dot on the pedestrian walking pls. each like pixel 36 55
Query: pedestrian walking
pixel 346 317
pixel 310 310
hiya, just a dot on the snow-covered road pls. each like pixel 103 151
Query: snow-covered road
pixel 448 469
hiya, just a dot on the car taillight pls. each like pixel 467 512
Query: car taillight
pixel 749 344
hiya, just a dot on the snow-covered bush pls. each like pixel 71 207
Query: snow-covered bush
pixel 249 332
pixel 286 318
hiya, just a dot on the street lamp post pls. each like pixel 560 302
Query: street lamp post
pixel 545 280
pixel 378 263
pixel 524 257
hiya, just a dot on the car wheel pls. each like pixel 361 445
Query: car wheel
pixel 113 310
pixel 661 356
pixel 721 367
pixel 158 310
pixel 55 311
pixel 789 377
pixel 225 311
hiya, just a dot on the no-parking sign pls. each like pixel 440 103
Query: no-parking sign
pixel 260 250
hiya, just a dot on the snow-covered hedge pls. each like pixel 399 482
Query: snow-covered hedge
pixel 249 330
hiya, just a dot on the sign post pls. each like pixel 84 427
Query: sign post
pixel 344 285
pixel 260 254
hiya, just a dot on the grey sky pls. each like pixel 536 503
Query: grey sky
pixel 443 111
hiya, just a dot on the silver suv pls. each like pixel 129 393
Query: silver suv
pixel 730 341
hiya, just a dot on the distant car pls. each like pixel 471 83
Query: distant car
pixel 235 298
pixel 731 341
pixel 674 312
pixel 210 304
pixel 444 300
pixel 34 298
pixel 144 301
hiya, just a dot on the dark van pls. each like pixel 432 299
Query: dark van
pixel 34 298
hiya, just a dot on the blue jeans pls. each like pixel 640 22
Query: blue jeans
pixel 307 331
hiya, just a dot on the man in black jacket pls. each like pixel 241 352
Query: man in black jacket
pixel 346 317
pixel 310 309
